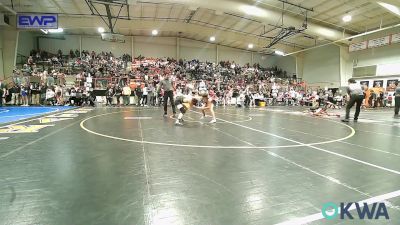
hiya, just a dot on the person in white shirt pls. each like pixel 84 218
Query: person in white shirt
pixel 144 96
pixel 202 85
pixel 126 93
pixel 356 96
pixel 50 96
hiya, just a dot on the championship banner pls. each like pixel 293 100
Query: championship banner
pixel 391 86
pixel 358 46
pixel 396 38
pixel 364 83
pixel 378 82
pixel 378 42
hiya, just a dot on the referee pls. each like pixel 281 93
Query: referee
pixel 356 97
pixel 397 101
pixel 168 87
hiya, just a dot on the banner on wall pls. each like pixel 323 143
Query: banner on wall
pixel 378 42
pixel 358 46
pixel 364 82
pixel 396 38
pixel 378 82
pixel 374 43
pixel 391 86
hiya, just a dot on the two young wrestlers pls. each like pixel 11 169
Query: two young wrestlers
pixel 185 102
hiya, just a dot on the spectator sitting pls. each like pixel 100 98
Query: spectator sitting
pixel 50 96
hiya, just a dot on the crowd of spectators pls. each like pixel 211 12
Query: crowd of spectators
pixel 43 80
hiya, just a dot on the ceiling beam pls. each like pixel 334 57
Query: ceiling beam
pixel 77 6
pixel 58 6
pixel 109 17
pixel 125 26
pixel 7 8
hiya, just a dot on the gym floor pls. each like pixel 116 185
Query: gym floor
pixel 254 166
pixel 12 114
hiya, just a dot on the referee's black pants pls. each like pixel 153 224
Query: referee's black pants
pixel 354 99
pixel 396 105
pixel 170 95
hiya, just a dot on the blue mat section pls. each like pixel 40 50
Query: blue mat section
pixel 12 114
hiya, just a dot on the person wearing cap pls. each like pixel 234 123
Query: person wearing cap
pixel 356 94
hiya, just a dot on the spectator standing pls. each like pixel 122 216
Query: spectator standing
pixel 50 96
pixel 356 96
pixel 145 94
pixel 35 94
pixel 79 95
pixel 151 95
pixel 139 94
pixel 24 95
pixel 15 92
pixel 397 100
pixel 118 93
pixel 42 90
pixel 72 97
pixel 109 95
pixel 59 95
pixel 126 92
pixel 2 92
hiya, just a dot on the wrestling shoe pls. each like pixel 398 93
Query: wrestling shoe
pixel 213 121
pixel 177 122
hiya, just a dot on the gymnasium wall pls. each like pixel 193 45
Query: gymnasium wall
pixel 286 63
pixel 1 56
pixel 387 59
pixel 190 49
pixel 53 45
pixel 153 47
pixel 231 54
pixel 321 66
pixel 9 38
pixel 157 47
pixel 27 42
pixel 264 60
pixel 94 43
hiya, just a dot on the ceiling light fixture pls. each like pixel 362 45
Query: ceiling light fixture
pixel 346 18
pixel 250 46
pixel 390 7
pixel 212 38
pixel 277 52
pixel 100 30
pixel 59 30
pixel 253 10
pixel 154 32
